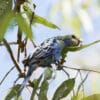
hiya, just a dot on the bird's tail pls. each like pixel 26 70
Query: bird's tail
pixel 23 84
pixel 29 73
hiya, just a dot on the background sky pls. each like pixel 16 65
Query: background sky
pixel 87 58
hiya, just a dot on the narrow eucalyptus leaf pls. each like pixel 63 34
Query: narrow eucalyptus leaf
pixel 43 90
pixel 12 93
pixel 48 73
pixel 4 23
pixel 24 26
pixel 64 89
pixel 41 20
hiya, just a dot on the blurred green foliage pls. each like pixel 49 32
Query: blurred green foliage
pixel 75 15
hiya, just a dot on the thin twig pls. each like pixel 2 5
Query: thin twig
pixel 16 81
pixel 76 74
pixel 10 43
pixel 28 89
pixel 18 53
pixel 11 55
pixel 66 73
pixel 82 69
pixel 25 43
pixel 82 83
pixel 6 75
pixel 75 78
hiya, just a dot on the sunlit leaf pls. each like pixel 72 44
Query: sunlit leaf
pixel 4 23
pixel 92 97
pixel 85 20
pixel 75 24
pixel 74 97
pixel 41 20
pixel 12 93
pixel 26 11
pixel 77 97
pixel 5 7
pixel 43 90
pixel 24 26
pixel 86 4
pixel 64 89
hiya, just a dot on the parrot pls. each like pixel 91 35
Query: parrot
pixel 47 53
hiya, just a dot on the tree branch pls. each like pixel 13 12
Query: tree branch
pixel 11 55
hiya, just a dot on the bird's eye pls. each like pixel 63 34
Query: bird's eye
pixel 73 36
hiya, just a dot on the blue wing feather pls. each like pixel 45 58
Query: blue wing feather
pixel 48 48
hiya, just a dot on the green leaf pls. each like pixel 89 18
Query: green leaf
pixel 5 7
pixel 24 26
pixel 4 23
pixel 36 86
pixel 12 93
pixel 43 90
pixel 64 89
pixel 75 48
pixel 41 20
pixel 92 97
pixel 48 73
